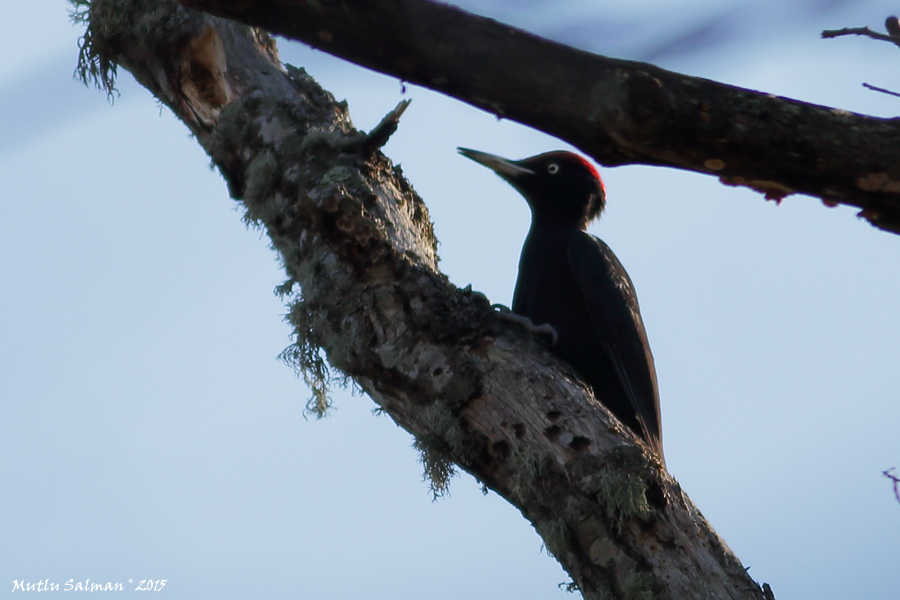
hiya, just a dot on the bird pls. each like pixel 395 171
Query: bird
pixel 572 281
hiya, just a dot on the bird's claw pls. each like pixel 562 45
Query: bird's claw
pixel 544 331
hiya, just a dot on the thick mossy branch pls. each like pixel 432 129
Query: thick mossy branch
pixel 359 254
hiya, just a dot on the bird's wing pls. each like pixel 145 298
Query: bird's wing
pixel 613 307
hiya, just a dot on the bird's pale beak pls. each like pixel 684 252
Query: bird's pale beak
pixel 501 166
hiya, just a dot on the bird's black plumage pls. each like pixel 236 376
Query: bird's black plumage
pixel 572 281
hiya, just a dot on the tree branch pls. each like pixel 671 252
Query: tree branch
pixel 891 24
pixel 874 88
pixel 619 112
pixel 473 389
pixel 890 474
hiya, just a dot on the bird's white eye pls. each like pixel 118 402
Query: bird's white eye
pixel 553 168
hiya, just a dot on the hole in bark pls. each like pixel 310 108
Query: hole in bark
pixel 519 428
pixel 205 82
pixel 502 449
pixel 553 415
pixel 655 495
pixel 579 443
pixel 437 372
pixel 552 433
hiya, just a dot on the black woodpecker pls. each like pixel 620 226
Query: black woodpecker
pixel 572 281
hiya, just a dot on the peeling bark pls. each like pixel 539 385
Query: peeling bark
pixel 353 235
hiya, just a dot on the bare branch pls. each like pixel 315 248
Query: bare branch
pixel 619 112
pixel 882 90
pixel 892 24
pixel 833 33
pixel 896 481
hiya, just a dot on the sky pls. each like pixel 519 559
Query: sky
pixel 150 433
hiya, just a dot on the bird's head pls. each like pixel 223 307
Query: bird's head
pixel 560 187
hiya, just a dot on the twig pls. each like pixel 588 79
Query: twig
pixel 882 90
pixel 891 23
pixel 832 33
pixel 896 480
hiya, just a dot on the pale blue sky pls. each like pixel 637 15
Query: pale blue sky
pixel 150 432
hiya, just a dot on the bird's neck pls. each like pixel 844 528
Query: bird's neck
pixel 545 241
pixel 555 224
pixel 557 217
